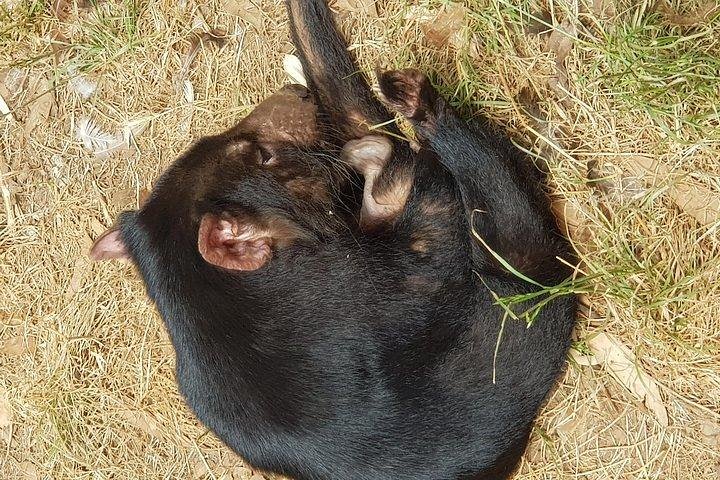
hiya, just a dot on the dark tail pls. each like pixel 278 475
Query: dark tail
pixel 332 74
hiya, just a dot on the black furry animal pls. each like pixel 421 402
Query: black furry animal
pixel 325 331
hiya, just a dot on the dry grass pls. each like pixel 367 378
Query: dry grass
pixel 86 382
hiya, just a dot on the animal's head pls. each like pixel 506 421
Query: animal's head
pixel 240 197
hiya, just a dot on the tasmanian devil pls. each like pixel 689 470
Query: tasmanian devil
pixel 328 331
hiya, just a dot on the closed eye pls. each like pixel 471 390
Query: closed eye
pixel 266 156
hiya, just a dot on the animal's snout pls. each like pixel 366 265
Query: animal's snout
pixel 297 90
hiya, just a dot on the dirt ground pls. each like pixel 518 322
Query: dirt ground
pixel 617 99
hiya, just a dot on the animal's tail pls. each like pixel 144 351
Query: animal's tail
pixel 332 74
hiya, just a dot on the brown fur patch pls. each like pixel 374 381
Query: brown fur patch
pixel 420 246
pixel 433 208
pixel 396 192
pixel 395 195
pixel 425 240
pixel 238 149
pixel 311 189
pixel 359 124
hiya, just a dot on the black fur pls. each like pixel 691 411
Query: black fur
pixel 353 355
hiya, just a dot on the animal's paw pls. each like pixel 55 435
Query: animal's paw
pixel 409 92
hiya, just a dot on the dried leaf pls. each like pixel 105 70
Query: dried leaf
pixel 575 425
pixel 537 22
pixel 651 170
pixel 695 200
pixel 366 7
pixel 80 269
pixel 200 470
pixel 294 70
pixel 710 429
pixel 12 83
pixel 700 16
pixel 5 418
pixel 5 411
pixel 39 109
pixel 63 8
pixel 601 176
pixel 216 36
pixel 60 45
pixel 97 227
pixel 571 219
pixel 615 185
pixel 440 27
pixel 17 346
pixel 123 197
pixel 28 471
pixel 582 359
pixel 560 43
pixel 241 473
pixel 247 10
pixel 599 8
pixel 567 428
pixel 562 40
pixel 143 421
pixel 621 363
pixel 474 48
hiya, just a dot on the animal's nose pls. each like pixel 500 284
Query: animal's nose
pixel 297 90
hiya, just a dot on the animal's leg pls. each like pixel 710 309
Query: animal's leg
pixel 331 73
pixel 507 208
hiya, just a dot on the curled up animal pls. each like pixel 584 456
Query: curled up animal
pixel 326 297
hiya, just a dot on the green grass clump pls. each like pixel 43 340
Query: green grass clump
pixel 671 74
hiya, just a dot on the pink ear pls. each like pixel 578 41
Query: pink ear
pixel 226 242
pixel 109 246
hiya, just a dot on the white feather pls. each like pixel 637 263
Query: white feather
pixel 134 128
pixel 188 91
pixel 96 140
pixel 15 80
pixel 4 109
pixel 80 84
pixel 293 68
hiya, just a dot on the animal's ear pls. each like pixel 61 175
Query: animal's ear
pixel 243 243
pixel 109 246
pixel 386 191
